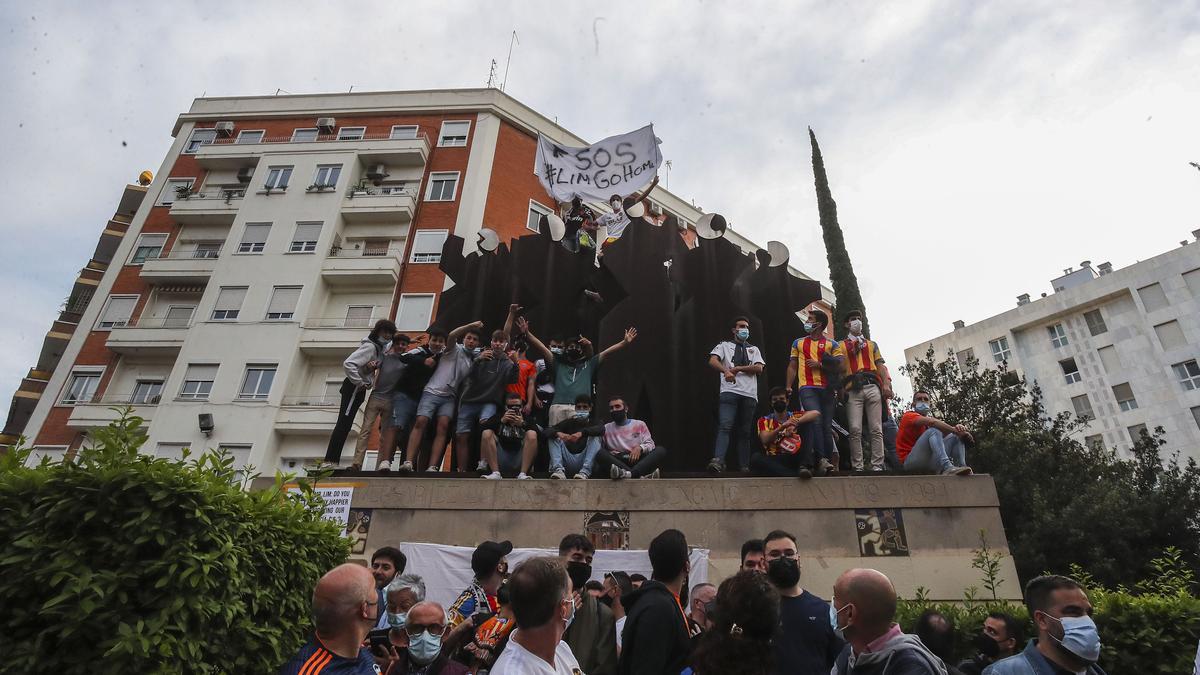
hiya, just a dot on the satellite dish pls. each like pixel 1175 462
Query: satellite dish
pixel 145 177
pixel 711 226
pixel 779 253
pixel 488 240
pixel 636 210
pixel 555 225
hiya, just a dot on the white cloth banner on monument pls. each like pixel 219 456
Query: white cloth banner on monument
pixel 616 165
pixel 446 570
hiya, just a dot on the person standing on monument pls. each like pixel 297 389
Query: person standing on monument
pixel 381 402
pixel 419 364
pixel 870 386
pixel 739 363
pixel 440 393
pixel 812 356
pixel 360 369
pixel 574 370
pixel 806 642
pixel 482 393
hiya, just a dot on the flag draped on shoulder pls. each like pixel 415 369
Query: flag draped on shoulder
pixel 619 165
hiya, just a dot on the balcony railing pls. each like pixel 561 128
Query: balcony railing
pixel 327 138
pixel 189 254
pixel 366 252
pixel 157 322
pixel 338 322
pixel 226 195
pixel 120 400
pixel 312 401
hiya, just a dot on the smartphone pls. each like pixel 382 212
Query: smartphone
pixel 379 637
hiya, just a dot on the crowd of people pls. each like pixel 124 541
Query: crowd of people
pixel 547 615
pixel 513 403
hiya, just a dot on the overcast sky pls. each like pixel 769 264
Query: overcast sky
pixel 974 149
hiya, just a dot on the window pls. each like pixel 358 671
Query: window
pixel 304 240
pixel 229 303
pixel 173 451
pixel 146 392
pixel 250 137
pixel 1070 370
pixel 1083 407
pixel 359 316
pixel 1192 279
pixel 283 303
pixel 179 316
pixel 254 239
pixel 536 211
pixel 278 177
pixel 403 131
pixel 148 247
pixel 207 250
pixel 333 392
pixel 965 357
pixel 1196 415
pixel 327 175
pixel 1136 431
pixel 81 388
pixel 1095 322
pixel 442 187
pixel 171 189
pixel 1124 395
pixel 1108 357
pixel 1188 373
pixel 454 134
pixel 1094 442
pixel 117 311
pixel 351 133
pixel 198 138
pixel 1153 297
pixel 1170 335
pixel 1058 336
pixel 304 135
pixel 1000 351
pixel 198 382
pixel 240 454
pixel 257 383
pixel 376 248
pixel 415 312
pixel 427 246
pixel 56 453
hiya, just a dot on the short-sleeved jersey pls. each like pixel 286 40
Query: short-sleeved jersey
pixel 525 370
pixel 786 444
pixel 860 358
pixel 314 659
pixel 806 348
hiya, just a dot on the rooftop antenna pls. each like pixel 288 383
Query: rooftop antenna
pixel 668 178
pixel 509 59
pixel 491 83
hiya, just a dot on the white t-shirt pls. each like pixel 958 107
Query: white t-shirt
pixel 516 660
pixel 620 627
pixel 744 384
pixel 615 222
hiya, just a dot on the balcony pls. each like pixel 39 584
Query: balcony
pixel 312 415
pixel 188 266
pixel 371 205
pixel 226 153
pixel 364 267
pixel 103 410
pixel 210 207
pixel 333 337
pixel 149 337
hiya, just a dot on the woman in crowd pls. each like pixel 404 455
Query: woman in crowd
pixel 746 617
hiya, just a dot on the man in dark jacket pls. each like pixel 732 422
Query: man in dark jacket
pixel 864 611
pixel 655 639
pixel 591 635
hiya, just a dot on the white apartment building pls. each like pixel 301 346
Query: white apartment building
pixel 1118 346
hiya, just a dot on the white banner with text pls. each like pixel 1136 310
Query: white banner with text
pixel 618 165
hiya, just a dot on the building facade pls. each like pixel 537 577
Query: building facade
pixel 278 230
pixel 1117 346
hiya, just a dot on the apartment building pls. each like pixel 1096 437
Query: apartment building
pixel 278 229
pixel 1117 346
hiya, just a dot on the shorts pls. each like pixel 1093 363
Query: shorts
pixel 404 410
pixel 471 413
pixel 433 406
pixel 509 460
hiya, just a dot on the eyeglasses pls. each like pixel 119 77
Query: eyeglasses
pixel 415 629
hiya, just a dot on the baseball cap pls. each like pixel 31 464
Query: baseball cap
pixel 487 555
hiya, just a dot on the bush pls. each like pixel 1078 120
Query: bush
pixel 126 563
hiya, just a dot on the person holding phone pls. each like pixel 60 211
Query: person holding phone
pixel 782 434
pixel 423 646
pixel 510 441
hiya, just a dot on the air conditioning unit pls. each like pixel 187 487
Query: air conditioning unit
pixel 377 173
pixel 224 128
pixel 245 174
pixel 326 124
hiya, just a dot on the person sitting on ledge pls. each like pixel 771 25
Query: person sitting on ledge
pixel 630 451
pixel 926 443
pixel 509 442
pixel 574 442
pixel 780 433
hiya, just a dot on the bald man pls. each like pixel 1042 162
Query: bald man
pixel 863 610
pixel 345 608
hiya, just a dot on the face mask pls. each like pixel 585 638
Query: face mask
pixel 616 206
pixel 743 333
pixel 579 572
pixel 833 621
pixel 779 406
pixel 607 601
pixel 784 572
pixel 619 416
pixel 571 616
pixel 1080 637
pixel 582 414
pixel 425 647
pixel 557 351
pixel 807 328
pixel 922 408
pixel 477 350
pixel 574 353
pixel 987 646
pixel 856 326
pixel 397 619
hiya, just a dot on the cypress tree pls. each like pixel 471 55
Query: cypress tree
pixel 841 271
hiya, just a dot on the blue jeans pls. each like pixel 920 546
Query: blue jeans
pixel 730 409
pixel 404 411
pixel 935 452
pixel 573 462
pixel 471 413
pixel 821 400
pixel 890 430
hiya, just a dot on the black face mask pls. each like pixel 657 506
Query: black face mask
pixel 987 646
pixel 579 572
pixel 784 572
pixel 606 600
pixel 619 416
pixel 573 353
pixel 779 406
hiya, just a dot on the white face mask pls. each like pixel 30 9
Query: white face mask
pixel 856 326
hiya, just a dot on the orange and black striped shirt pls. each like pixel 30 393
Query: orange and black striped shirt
pixel 314 659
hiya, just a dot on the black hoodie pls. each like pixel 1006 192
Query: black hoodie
pixel 655 640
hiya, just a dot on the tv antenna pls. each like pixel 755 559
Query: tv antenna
pixel 509 59
pixel 491 83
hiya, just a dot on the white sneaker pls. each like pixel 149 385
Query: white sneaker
pixel 958 471
pixel 433 469
pixel 581 476
pixel 558 474
pixel 523 476
pixel 481 466
pixel 653 475
pixel 495 475
pixel 618 473
pixel 385 465
pixel 406 467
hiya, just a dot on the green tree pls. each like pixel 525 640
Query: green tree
pixel 121 562
pixel 841 270
pixel 1064 503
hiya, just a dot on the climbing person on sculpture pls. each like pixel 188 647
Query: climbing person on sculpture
pixel 926 443
pixel 574 370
